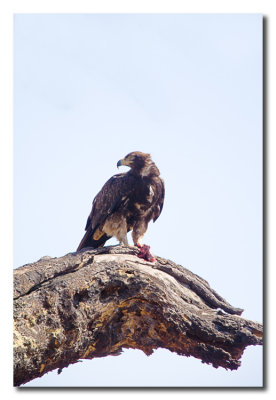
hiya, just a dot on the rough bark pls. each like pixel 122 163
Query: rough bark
pixel 96 302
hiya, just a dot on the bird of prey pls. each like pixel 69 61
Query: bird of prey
pixel 127 202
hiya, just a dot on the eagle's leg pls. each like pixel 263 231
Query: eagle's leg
pixel 116 226
pixel 137 235
pixel 123 240
pixel 121 233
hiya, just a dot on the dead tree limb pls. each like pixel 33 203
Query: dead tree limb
pixel 97 302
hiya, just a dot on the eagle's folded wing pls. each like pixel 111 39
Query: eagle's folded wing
pixel 113 194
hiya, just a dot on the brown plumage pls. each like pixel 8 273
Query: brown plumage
pixel 127 201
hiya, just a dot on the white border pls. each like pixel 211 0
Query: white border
pixel 7 9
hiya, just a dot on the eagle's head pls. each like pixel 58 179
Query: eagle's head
pixel 140 163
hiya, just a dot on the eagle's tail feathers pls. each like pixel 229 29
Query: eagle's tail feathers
pixel 89 241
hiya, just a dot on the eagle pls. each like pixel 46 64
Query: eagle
pixel 127 202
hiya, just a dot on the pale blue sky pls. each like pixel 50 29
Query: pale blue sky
pixel 88 89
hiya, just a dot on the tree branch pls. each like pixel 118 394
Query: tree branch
pixel 96 302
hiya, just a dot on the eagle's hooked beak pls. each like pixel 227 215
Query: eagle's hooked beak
pixel 123 161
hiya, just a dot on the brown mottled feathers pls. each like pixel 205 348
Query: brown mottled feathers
pixel 127 201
